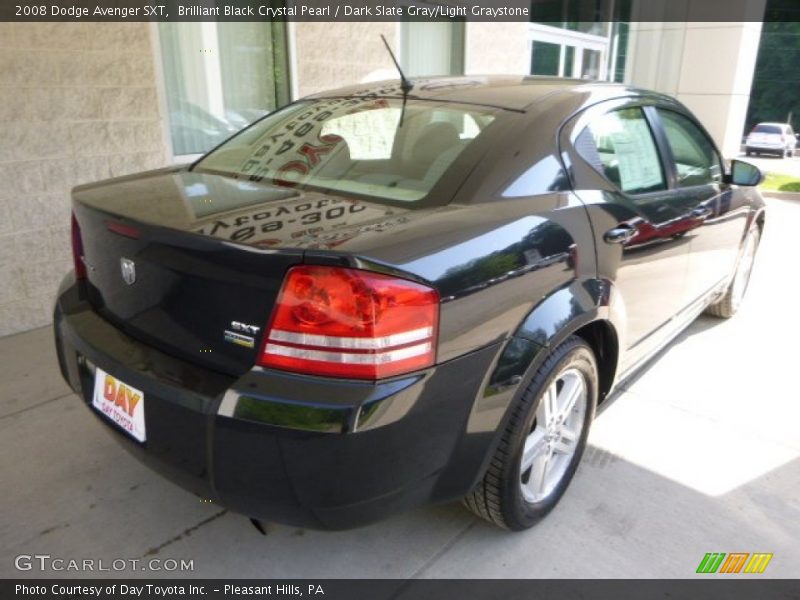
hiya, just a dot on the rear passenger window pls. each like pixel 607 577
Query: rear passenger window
pixel 620 145
pixel 761 128
pixel 696 160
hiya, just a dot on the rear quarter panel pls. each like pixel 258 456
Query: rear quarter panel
pixel 491 262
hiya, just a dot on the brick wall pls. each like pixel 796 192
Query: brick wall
pixel 78 103
pixel 497 48
pixel 331 56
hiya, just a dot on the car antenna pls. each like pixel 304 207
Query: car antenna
pixel 406 85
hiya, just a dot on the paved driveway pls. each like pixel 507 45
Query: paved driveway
pixel 773 164
pixel 700 454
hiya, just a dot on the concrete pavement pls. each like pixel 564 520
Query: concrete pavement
pixel 773 164
pixel 699 454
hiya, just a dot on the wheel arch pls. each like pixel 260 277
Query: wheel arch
pixel 577 309
pixel 588 309
pixel 601 336
pixel 583 309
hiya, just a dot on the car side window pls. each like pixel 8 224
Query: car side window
pixel 620 145
pixel 696 160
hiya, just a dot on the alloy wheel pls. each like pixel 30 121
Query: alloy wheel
pixel 551 444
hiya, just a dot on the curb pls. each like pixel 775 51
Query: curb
pixel 781 195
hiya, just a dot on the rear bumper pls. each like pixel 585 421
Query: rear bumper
pixel 306 451
pixel 765 147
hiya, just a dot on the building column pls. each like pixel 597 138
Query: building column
pixel 706 65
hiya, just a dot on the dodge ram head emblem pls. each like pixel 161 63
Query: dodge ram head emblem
pixel 128 268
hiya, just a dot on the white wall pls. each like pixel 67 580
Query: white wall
pixel 78 103
pixel 496 48
pixel 707 66
pixel 330 55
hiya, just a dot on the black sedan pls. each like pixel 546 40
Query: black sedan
pixel 377 298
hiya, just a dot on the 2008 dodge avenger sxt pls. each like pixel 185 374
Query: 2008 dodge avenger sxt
pixel 381 297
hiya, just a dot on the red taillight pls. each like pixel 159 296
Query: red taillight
pixel 77 250
pixel 350 323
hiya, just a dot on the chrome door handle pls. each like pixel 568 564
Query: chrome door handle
pixel 701 212
pixel 620 234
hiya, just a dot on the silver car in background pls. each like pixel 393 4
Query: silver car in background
pixel 771 138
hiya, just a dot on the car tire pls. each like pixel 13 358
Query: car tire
pixel 729 304
pixel 508 495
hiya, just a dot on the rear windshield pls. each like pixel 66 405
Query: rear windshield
pixel 767 129
pixel 353 145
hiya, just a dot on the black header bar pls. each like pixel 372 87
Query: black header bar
pixel 704 587
pixel 555 11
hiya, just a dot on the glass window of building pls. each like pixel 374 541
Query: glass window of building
pixel 220 77
pixel 432 48
pixel 545 58
pixel 585 39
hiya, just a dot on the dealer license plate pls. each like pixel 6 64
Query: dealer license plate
pixel 119 402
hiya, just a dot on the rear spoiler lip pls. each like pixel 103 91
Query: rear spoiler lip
pixel 131 177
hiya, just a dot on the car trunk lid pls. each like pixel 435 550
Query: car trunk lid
pixel 193 263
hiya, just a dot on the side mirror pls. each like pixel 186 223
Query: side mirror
pixel 743 173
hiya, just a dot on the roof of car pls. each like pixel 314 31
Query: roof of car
pixel 514 92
